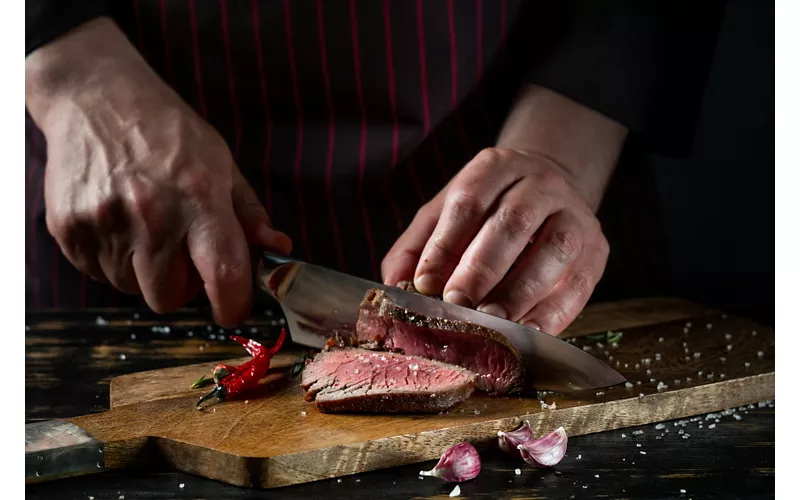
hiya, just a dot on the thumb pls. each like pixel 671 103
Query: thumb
pixel 253 217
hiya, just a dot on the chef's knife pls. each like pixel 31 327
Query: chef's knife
pixel 316 301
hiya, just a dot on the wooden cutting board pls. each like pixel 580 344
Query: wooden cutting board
pixel 707 361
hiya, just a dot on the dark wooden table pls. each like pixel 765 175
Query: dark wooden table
pixel 70 358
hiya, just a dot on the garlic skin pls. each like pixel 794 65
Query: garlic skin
pixel 547 451
pixel 458 463
pixel 508 441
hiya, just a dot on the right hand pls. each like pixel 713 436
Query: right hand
pixel 140 191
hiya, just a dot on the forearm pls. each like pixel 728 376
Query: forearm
pixel 581 142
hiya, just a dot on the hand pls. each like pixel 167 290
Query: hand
pixel 514 233
pixel 140 191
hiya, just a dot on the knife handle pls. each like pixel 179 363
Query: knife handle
pixel 57 448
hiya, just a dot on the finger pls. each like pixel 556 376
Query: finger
pixel 467 202
pixel 504 236
pixel 116 261
pixel 163 275
pixel 401 260
pixel 79 246
pixel 546 261
pixel 559 309
pixel 254 220
pixel 218 248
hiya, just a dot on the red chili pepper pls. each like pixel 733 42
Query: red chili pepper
pixel 245 377
pixel 253 347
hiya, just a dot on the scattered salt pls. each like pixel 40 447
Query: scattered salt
pixel 477 412
pixel 599 393
pixel 302 414
pixel 643 452
pixel 723 359
pixel 101 321
pixel 747 364
pixel 414 366
pixel 660 426
pixel 628 385
pixel 708 326
pixel 661 386
pixel 179 486
pixel 338 480
pixel 246 401
pixel 517 472
pixel 579 456
pixel 760 354
pixel 641 395
pixel 696 355
pixel 688 324
pixel 638 445
pixel 624 436
pixel 737 416
pixel 683 491
pixel 637 433
pixel 728 336
pixel 661 339
pixel 729 347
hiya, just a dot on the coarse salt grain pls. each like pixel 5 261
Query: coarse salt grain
pixel 580 456
pixel 661 386
pixel 638 445
pixel 696 355
pixel 122 357
pixel 303 414
pixel 517 472
pixel 660 426
pixel 760 354
pixel 683 491
pixel 624 436
pixel 628 385
pixel 637 433
pixel 711 426
pixel 643 452
pixel 661 339
pixel 181 485
pixel 708 326
pixel 729 347
pixel 728 336
pixel 747 364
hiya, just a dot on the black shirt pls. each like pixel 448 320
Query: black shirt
pixel 347 115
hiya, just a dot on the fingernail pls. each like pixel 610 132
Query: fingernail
pixel 457 298
pixel 534 325
pixel 429 284
pixel 494 309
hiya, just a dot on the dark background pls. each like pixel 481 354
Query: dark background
pixel 703 227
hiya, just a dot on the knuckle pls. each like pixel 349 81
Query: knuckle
pixel 583 283
pixel 549 178
pixel 229 272
pixel 478 271
pixel 516 219
pixel 526 289
pixel 559 315
pixel 442 248
pixel 565 244
pixel 465 206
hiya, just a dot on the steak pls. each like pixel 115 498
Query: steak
pixel 353 380
pixel 481 350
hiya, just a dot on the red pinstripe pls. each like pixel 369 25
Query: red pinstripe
pixel 479 36
pixel 387 28
pixel 287 20
pixel 451 26
pixel 331 136
pixel 423 81
pixel 198 77
pixel 262 81
pixel 237 122
pixel 162 4
pixel 362 141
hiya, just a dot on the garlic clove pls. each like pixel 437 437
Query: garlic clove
pixel 509 441
pixel 458 463
pixel 547 451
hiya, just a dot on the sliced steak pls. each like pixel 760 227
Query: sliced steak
pixel 479 349
pixel 352 380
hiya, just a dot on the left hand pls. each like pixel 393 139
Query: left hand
pixel 511 235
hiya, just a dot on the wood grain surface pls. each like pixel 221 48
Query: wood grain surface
pixel 71 361
pixel 710 365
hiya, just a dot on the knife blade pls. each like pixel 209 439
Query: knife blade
pixel 316 301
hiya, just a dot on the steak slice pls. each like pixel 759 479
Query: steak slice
pixel 352 380
pixel 479 349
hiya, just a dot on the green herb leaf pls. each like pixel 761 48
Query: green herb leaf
pixel 597 336
pixel 201 382
pixel 613 338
